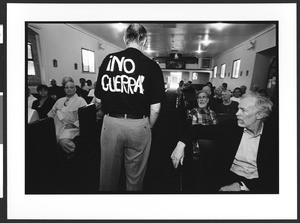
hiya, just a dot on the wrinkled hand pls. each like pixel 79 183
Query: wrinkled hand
pixel 69 126
pixel 232 187
pixel 178 154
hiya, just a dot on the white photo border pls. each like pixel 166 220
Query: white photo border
pixel 21 206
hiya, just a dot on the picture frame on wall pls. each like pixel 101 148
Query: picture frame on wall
pixel 175 64
pixel 206 63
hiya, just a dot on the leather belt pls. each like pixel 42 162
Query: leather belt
pixel 126 116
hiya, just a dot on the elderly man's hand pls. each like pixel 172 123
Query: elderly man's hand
pixel 69 126
pixel 232 187
pixel 178 154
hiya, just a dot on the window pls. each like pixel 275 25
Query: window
pixel 30 62
pixel 236 68
pixel 195 76
pixel 223 66
pixel 215 72
pixel 88 60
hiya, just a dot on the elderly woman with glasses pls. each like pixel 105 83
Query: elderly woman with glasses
pixel 202 114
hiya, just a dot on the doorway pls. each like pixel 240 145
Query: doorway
pixel 175 77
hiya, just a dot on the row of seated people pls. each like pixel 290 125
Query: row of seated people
pixel 64 111
pixel 83 90
pixel 46 96
pixel 40 104
pixel 76 125
pixel 201 101
pixel 238 152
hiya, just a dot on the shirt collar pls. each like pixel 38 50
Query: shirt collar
pixel 74 96
pixel 258 134
pixel 202 109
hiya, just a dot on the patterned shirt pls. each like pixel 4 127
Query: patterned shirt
pixel 202 116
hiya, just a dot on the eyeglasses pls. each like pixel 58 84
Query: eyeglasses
pixel 202 97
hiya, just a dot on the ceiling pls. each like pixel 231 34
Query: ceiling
pixel 182 38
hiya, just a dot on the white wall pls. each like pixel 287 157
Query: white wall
pixel 64 43
pixel 202 78
pixel 263 41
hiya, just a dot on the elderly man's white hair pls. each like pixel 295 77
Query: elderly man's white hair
pixel 262 103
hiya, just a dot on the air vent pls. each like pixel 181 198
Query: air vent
pixel 168 25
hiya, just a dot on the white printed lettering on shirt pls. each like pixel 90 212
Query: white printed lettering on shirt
pixel 123 83
pixel 122 64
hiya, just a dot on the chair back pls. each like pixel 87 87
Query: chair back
pixel 225 117
pixel 88 128
pixel 40 154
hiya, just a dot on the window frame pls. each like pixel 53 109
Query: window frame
pixel 236 67
pixel 222 72
pixel 30 59
pixel 215 72
pixel 92 63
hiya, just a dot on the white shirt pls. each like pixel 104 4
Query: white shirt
pixel 244 163
pixel 32 115
pixel 91 93
pixel 65 111
pixel 235 99
pixel 31 99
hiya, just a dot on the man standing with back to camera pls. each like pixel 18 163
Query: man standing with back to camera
pixel 131 89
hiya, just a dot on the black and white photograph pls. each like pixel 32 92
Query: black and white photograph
pixel 166 111
pixel 63 159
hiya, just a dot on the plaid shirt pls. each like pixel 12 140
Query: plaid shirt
pixel 202 116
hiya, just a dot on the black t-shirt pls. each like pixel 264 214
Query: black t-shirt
pixel 129 82
pixel 232 108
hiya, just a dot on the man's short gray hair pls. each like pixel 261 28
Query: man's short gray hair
pixel 263 104
pixel 135 33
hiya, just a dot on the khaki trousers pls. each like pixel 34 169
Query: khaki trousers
pixel 128 139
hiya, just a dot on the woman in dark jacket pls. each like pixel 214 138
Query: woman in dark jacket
pixel 44 104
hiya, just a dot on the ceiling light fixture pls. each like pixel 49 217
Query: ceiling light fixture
pixel 199 49
pixel 219 26
pixel 120 26
pixel 206 40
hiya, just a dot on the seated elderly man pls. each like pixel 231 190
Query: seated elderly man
pixel 248 153
pixel 202 114
pixel 65 114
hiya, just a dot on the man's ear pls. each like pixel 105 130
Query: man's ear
pixel 260 115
